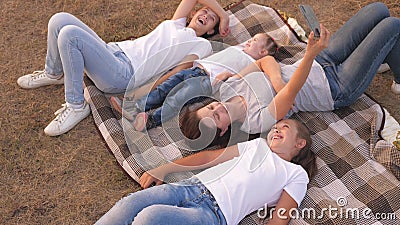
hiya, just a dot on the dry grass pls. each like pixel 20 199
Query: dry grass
pixel 74 179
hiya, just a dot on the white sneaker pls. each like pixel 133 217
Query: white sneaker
pixel 66 118
pixel 396 88
pixel 383 68
pixel 37 79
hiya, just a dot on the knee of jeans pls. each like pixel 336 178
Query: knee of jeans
pixel 68 33
pixel 154 214
pixel 379 8
pixel 58 20
pixel 393 23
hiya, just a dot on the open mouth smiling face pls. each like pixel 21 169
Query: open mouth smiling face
pixel 202 21
pixel 205 19
pixel 277 137
pixel 282 135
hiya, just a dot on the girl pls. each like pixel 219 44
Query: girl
pixel 193 82
pixel 242 179
pixel 338 76
pixel 73 48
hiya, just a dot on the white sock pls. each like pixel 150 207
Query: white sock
pixel 76 106
pixel 52 76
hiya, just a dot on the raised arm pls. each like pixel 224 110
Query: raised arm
pixel 186 6
pixel 285 98
pixel 272 70
pixel 197 161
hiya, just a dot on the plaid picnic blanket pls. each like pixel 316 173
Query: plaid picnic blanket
pixel 357 172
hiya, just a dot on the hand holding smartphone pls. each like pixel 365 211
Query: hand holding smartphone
pixel 311 19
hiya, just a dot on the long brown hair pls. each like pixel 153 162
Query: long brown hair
pixel 306 157
pixel 194 129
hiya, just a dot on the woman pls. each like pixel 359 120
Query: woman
pixel 338 76
pixel 74 48
pixel 239 180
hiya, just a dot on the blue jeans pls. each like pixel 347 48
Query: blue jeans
pixel 72 48
pixel 368 39
pixel 184 87
pixel 185 202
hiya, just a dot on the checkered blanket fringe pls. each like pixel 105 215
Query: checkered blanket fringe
pixel 357 171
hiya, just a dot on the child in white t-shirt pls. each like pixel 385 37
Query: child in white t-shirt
pixel 239 180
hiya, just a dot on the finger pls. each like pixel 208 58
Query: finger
pixel 142 183
pixel 324 31
pixel 223 31
pixel 325 35
pixel 142 178
pixel 228 30
pixel 328 35
pixel 311 37
pixel 147 184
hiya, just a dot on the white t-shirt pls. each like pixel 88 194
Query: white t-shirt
pixel 258 92
pixel 232 59
pixel 252 180
pixel 163 48
pixel 315 95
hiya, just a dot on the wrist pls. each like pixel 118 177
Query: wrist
pixel 169 168
pixel 309 55
pixel 224 16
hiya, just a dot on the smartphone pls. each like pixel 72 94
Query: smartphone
pixel 311 19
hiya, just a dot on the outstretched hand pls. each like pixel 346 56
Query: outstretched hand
pixel 314 45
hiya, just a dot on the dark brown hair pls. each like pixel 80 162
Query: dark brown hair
pixel 215 29
pixel 194 129
pixel 306 157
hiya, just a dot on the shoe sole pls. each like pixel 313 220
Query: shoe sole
pixel 34 87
